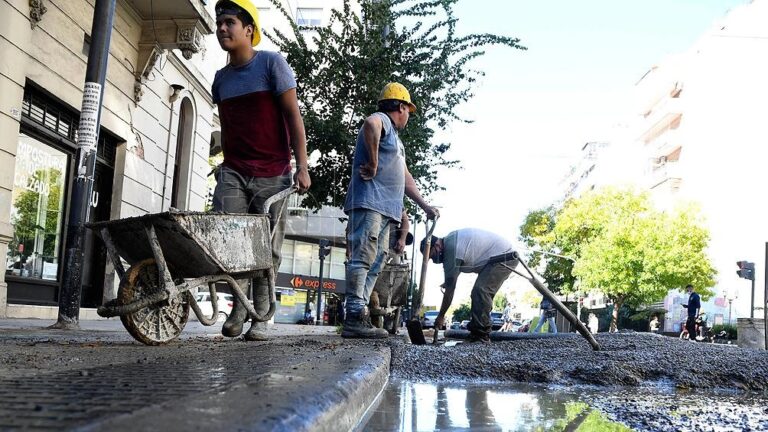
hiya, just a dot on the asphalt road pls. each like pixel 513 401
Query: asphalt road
pixel 308 378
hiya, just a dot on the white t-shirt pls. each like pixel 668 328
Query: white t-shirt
pixel 468 250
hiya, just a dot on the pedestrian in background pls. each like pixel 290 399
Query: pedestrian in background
pixel 547 314
pixel 594 323
pixel 693 306
pixel 260 125
pixel 380 179
pixel 507 317
pixel 654 324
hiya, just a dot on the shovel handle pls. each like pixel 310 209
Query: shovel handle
pixel 424 265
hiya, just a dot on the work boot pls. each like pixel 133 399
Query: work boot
pixel 359 326
pixel 233 326
pixel 257 332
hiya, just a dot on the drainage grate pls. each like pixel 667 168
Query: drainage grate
pixel 75 398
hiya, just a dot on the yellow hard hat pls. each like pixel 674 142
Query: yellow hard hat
pixel 253 11
pixel 397 91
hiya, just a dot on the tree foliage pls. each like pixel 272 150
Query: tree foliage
pixel 500 301
pixel 462 312
pixel 537 233
pixel 626 249
pixel 340 69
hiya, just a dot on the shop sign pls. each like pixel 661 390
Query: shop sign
pixel 310 283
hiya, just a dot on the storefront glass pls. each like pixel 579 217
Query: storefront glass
pixel 37 210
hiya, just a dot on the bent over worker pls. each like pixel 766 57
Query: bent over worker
pixel 469 250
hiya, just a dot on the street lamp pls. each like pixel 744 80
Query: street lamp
pixel 731 295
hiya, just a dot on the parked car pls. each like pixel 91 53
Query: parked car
pixel 429 319
pixel 497 320
pixel 464 325
pixel 455 325
pixel 517 325
pixel 225 302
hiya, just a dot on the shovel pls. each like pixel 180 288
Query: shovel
pixel 415 331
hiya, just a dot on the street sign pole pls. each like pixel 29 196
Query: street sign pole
pixel 324 250
pixel 87 139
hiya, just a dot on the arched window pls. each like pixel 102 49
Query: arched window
pixel 182 162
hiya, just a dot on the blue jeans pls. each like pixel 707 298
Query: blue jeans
pixel 368 240
pixel 542 320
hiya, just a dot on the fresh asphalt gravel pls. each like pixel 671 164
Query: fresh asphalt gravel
pixel 646 381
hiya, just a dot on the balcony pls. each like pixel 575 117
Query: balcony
pixel 666 172
pixel 169 25
pixel 665 116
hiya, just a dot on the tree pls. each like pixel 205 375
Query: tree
pixel 537 233
pixel 500 301
pixel 630 252
pixel 462 312
pixel 342 69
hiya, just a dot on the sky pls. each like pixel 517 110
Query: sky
pixel 535 109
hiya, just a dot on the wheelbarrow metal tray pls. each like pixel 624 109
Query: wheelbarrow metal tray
pixel 195 244
pixel 393 281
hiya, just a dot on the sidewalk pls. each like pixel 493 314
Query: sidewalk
pixel 98 378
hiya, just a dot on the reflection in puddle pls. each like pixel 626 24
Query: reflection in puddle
pixel 407 406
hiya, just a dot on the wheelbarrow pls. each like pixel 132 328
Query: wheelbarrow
pixel 390 295
pixel 173 253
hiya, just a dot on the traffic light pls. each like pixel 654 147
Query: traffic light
pixel 746 270
pixel 325 248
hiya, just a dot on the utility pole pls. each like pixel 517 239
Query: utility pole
pixel 87 140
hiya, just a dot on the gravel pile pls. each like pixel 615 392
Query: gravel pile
pixel 625 359
pixel 645 381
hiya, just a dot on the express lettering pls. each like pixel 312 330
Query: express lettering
pixel 314 283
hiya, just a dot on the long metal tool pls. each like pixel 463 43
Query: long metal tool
pixel 415 331
pixel 580 327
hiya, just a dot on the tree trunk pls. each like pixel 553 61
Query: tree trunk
pixel 615 315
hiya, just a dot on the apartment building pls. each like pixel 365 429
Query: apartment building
pixel 704 135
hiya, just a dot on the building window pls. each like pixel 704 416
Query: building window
pixel 309 17
pixel 37 210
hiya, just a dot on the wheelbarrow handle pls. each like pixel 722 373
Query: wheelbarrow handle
pixel 277 197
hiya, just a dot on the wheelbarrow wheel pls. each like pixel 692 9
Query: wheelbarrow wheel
pixel 155 324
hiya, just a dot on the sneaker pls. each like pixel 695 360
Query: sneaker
pixel 361 328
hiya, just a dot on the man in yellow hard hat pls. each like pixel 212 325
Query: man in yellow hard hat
pixel 374 201
pixel 260 126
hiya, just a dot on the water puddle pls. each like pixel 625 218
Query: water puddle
pixel 408 406
pixel 411 406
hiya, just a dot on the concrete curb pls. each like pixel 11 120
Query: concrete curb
pixel 329 393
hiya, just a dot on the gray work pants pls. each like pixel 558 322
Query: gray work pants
pixel 236 193
pixel 488 282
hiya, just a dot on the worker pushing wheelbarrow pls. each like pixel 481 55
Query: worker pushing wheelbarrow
pixel 173 253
